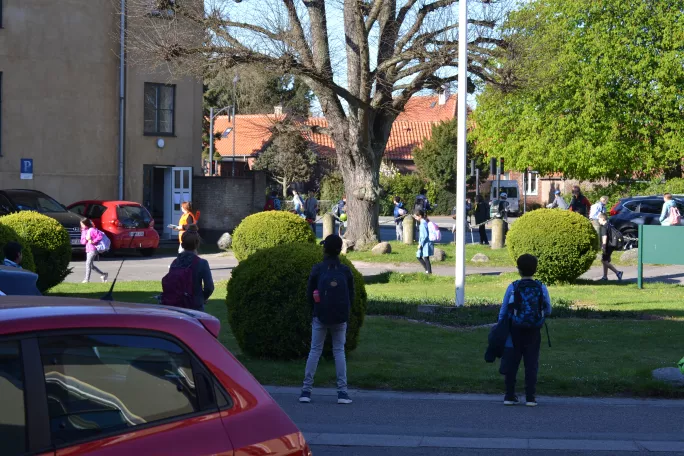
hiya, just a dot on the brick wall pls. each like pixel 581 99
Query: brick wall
pixel 225 201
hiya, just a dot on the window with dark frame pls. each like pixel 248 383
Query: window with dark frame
pixel 160 101
pixel 12 412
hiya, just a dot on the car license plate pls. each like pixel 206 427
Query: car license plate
pixel 137 233
pixel 75 242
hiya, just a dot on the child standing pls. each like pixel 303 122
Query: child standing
pixel 426 247
pixel 399 213
pixel 526 304
pixel 90 237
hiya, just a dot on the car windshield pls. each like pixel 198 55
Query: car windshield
pixel 36 202
pixel 511 192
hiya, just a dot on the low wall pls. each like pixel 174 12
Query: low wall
pixel 225 201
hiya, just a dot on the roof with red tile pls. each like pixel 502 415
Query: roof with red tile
pixel 410 130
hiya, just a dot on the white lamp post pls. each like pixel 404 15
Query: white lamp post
pixel 459 239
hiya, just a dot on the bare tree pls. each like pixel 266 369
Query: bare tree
pixel 390 49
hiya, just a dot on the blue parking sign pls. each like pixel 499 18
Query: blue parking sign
pixel 26 168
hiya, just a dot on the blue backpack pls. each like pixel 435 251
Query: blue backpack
pixel 334 295
pixel 527 309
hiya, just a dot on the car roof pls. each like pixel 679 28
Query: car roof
pixel 40 313
pixel 108 202
pixel 639 198
pixel 23 190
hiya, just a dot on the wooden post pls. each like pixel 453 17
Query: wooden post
pixel 408 230
pixel 328 225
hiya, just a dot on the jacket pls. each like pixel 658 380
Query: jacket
pixel 397 217
pixel 496 341
pixel 186 219
pixel 558 202
pixel 426 247
pixel 665 213
pixel 92 234
pixel 203 283
pixel 481 212
pixel 315 274
pixel 581 205
pixel 596 209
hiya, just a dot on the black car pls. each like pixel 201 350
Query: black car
pixel 16 200
pixel 631 212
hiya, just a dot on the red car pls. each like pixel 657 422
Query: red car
pixel 126 223
pixel 84 377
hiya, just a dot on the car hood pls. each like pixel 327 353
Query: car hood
pixel 67 219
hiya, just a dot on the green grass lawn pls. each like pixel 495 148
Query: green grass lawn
pixel 588 357
pixel 402 253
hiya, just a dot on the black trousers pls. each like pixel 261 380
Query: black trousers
pixel 483 234
pixel 526 346
pixel 426 264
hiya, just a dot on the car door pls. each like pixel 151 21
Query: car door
pixel 650 210
pixel 116 393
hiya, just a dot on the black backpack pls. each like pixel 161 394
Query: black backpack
pixel 528 306
pixel 333 290
pixel 420 204
pixel 615 238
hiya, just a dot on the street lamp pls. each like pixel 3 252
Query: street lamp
pixel 236 79
pixel 461 154
pixel 211 138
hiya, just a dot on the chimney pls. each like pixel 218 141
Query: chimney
pixel 443 95
pixel 278 110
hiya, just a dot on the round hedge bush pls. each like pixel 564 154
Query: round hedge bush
pixel 268 309
pixel 8 234
pixel 269 229
pixel 49 242
pixel 564 242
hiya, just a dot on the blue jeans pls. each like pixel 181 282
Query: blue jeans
pixel 339 338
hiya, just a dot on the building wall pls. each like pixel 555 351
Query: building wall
pixel 60 104
pixel 224 202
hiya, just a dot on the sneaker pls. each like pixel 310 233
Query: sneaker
pixel 531 401
pixel 511 400
pixel 603 279
pixel 84 281
pixel 619 275
pixel 305 397
pixel 343 398
pixel 104 277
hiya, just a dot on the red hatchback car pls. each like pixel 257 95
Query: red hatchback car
pixel 85 377
pixel 126 223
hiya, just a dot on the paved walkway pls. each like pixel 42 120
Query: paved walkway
pixel 138 268
pixel 384 422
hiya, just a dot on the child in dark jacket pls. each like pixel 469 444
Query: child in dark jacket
pixel 526 304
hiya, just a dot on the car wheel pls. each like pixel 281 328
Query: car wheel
pixel 147 252
pixel 631 236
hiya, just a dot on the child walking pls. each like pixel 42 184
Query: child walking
pixel 90 237
pixel 526 304
pixel 426 247
pixel 606 248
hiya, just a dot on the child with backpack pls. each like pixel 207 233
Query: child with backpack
pixel 670 215
pixel 526 304
pixel 91 237
pixel 611 239
pixel 427 236
pixel 399 214
pixel 189 283
pixel 330 292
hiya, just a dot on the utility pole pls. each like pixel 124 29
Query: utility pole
pixel 235 81
pixel 459 238
pixel 211 141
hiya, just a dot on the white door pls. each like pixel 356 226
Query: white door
pixel 181 191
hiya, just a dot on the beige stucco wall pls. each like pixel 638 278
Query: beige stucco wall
pixel 59 61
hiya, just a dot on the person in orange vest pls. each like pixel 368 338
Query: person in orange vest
pixel 188 219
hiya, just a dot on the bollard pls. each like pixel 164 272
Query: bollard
pixel 408 230
pixel 328 225
pixel 498 234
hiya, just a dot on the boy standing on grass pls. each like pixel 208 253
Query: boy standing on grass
pixel 526 304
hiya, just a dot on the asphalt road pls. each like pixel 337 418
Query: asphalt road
pixel 387 423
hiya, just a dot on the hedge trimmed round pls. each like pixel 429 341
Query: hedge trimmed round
pixel 269 229
pixel 268 310
pixel 564 242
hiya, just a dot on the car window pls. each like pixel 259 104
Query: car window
pixel 79 209
pixel 106 383
pixel 133 216
pixel 511 192
pixel 12 413
pixel 632 206
pixel 36 202
pixel 651 207
pixel 5 205
pixel 95 211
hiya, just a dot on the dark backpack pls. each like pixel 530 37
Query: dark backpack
pixel 333 290
pixel 420 204
pixel 270 205
pixel 527 309
pixel 178 286
pixel 615 238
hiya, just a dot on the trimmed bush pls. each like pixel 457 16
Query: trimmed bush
pixel 49 243
pixel 7 234
pixel 269 229
pixel 268 309
pixel 564 242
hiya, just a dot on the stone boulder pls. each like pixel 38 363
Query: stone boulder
pixel 480 258
pixel 628 256
pixel 439 255
pixel 670 375
pixel 225 241
pixel 384 248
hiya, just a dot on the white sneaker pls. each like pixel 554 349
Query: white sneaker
pixel 84 281
pixel 104 277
